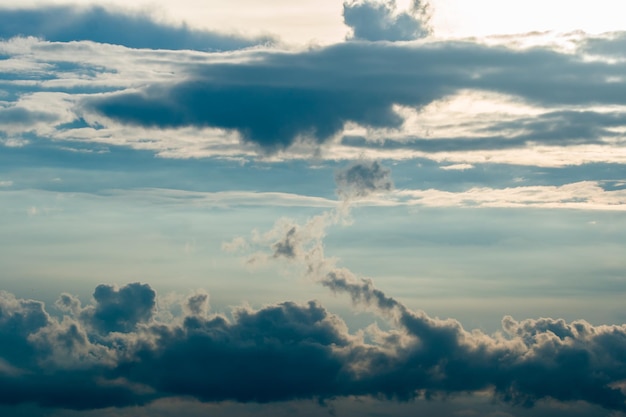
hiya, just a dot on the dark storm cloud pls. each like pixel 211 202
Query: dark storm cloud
pixel 379 21
pixel 98 24
pixel 290 351
pixel 278 98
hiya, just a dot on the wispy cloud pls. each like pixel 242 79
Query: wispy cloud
pixel 587 195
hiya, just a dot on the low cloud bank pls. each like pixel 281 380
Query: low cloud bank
pixel 293 351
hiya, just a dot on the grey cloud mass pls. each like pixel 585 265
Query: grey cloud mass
pixel 379 21
pixel 120 310
pixel 292 351
pixel 277 99
pixel 99 24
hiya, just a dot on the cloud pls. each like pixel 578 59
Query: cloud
pixel 18 319
pixel 583 195
pixel 286 247
pixel 99 24
pixel 276 99
pixel 121 353
pixel 223 198
pixel 558 128
pixel 293 351
pixel 379 99
pixel 362 179
pixel 278 353
pixel 22 117
pixel 379 21
pixel 611 44
pixel 31 340
pixel 532 361
pixel 197 304
pixel 120 310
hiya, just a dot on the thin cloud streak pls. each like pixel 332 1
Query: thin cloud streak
pixel 585 195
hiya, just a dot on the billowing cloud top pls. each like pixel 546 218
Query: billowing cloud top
pixel 289 351
pixel 379 21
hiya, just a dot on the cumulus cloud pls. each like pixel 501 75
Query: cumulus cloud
pixel 292 351
pixel 380 21
pixel 99 24
pixel 18 319
pixel 120 310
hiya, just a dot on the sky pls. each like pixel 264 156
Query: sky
pixel 380 208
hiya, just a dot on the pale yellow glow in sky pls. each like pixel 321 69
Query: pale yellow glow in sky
pixel 320 21
pixel 487 17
